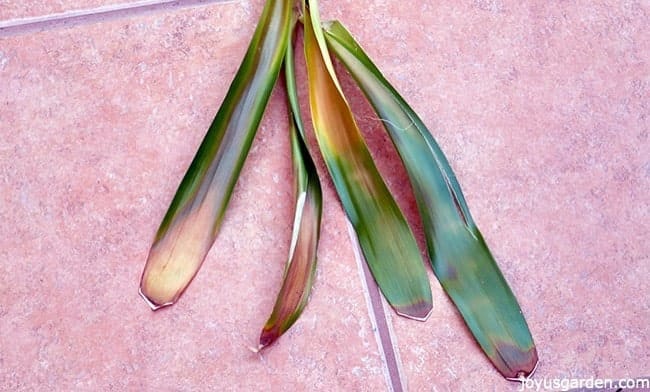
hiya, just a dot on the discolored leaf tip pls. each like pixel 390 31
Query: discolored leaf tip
pixel 515 364
pixel 268 337
pixel 522 375
pixel 419 312
pixel 152 304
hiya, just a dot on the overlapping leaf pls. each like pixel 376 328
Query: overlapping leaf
pixel 385 238
pixel 301 265
pixel 460 258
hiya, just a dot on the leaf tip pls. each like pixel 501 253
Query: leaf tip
pixel 152 303
pixel 255 350
pixel 419 311
pixel 515 363
pixel 267 337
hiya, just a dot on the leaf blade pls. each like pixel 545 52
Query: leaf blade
pixel 301 264
pixel 385 238
pixel 192 221
pixel 461 260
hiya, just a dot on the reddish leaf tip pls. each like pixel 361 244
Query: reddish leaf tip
pixel 514 363
pixel 267 338
pixel 419 311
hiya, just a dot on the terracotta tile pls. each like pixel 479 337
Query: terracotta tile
pixel 98 124
pixel 542 111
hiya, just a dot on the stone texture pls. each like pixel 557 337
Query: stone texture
pixel 35 8
pixel 540 107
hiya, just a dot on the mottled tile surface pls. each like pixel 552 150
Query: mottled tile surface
pixel 35 8
pixel 540 107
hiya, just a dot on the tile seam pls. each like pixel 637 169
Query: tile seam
pixel 379 319
pixel 72 18
pixel 389 315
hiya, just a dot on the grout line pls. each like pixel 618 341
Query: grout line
pixel 100 14
pixel 378 318
pixel 389 314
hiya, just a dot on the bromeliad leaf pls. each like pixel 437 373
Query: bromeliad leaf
pixel 385 238
pixel 192 221
pixel 301 265
pixel 460 258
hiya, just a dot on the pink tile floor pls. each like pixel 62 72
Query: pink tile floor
pixel 541 107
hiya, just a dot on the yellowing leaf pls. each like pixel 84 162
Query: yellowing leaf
pixel 191 224
pixel 301 265
pixel 384 236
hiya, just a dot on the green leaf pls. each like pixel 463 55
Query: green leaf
pixel 460 258
pixel 385 238
pixel 301 265
pixel 191 224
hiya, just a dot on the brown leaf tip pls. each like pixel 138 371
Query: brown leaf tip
pixel 268 337
pixel 419 311
pixel 514 363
